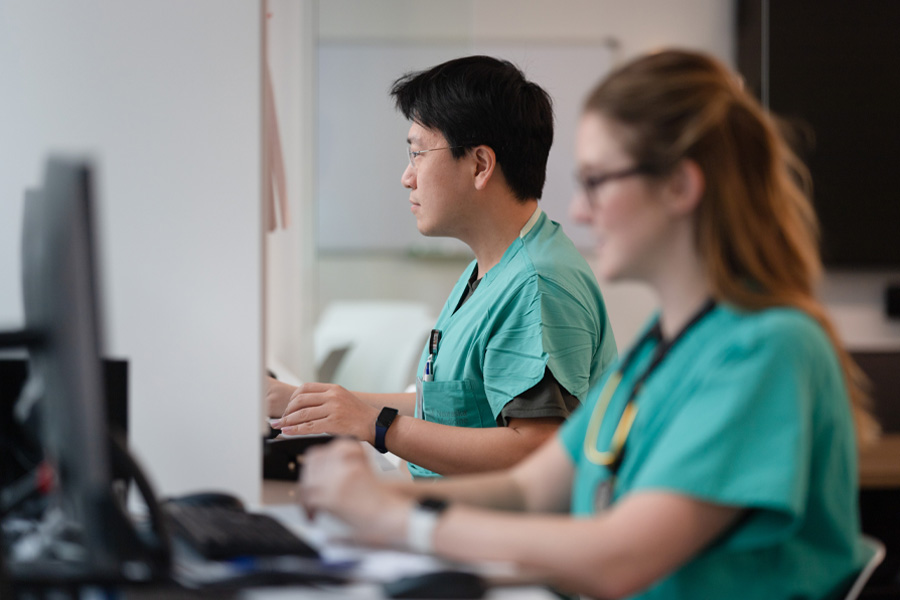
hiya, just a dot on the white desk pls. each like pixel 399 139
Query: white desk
pixel 279 500
pixel 394 564
pixel 370 592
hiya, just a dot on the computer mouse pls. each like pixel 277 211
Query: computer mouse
pixel 210 498
pixel 439 584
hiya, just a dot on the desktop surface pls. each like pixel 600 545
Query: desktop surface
pixel 358 572
pixel 369 573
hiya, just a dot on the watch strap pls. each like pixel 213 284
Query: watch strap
pixel 384 420
pixel 423 520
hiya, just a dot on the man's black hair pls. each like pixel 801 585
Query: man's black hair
pixel 479 100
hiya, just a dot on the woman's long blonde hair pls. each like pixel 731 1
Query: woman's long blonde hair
pixel 757 229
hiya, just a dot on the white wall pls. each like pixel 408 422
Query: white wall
pixel 854 298
pixel 856 301
pixel 638 25
pixel 165 95
pixel 632 27
pixel 290 252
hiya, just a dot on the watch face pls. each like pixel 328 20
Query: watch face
pixel 386 417
pixel 433 504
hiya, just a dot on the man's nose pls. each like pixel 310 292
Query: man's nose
pixel 408 179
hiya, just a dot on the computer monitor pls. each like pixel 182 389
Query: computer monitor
pixel 59 286
pixel 828 70
pixel 65 385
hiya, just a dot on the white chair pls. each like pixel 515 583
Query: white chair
pixel 878 552
pixel 378 343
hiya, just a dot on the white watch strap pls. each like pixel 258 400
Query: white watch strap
pixel 420 529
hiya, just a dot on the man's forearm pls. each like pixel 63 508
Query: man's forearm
pixel 455 450
pixel 405 403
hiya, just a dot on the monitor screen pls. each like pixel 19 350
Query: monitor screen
pixel 829 70
pixel 91 538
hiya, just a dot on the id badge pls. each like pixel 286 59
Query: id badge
pixel 604 494
pixel 420 399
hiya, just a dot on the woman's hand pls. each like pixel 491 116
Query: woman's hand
pixel 337 478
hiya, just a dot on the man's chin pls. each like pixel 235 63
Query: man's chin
pixel 432 230
pixel 425 230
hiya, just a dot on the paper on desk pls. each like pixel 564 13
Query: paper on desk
pixel 380 565
pixel 370 564
pixel 387 565
pixel 328 534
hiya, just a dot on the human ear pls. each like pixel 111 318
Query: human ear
pixel 485 162
pixel 685 185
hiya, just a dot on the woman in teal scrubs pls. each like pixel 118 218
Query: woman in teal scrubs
pixel 717 458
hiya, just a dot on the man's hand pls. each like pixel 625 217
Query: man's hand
pixel 328 408
pixel 337 478
pixel 278 395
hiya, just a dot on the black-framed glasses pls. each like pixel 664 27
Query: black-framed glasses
pixel 590 184
pixel 414 153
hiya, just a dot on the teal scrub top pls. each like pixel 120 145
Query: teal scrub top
pixel 748 410
pixel 539 307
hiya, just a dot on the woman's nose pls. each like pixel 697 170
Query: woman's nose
pixel 580 209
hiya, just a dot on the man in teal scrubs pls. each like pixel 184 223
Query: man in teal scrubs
pixel 524 334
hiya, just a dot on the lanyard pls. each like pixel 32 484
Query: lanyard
pixel 613 457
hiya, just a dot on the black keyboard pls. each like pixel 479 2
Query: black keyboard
pixel 221 533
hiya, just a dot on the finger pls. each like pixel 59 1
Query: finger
pixel 302 491
pixel 346 448
pixel 309 427
pixel 315 387
pixel 330 459
pixel 314 453
pixel 306 397
pixel 317 477
pixel 303 415
pixel 308 508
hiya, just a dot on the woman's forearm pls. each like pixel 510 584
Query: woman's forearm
pixel 610 555
pixel 515 489
pixel 497 490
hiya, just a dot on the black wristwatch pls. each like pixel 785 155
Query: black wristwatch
pixel 435 505
pixel 384 420
pixel 423 520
